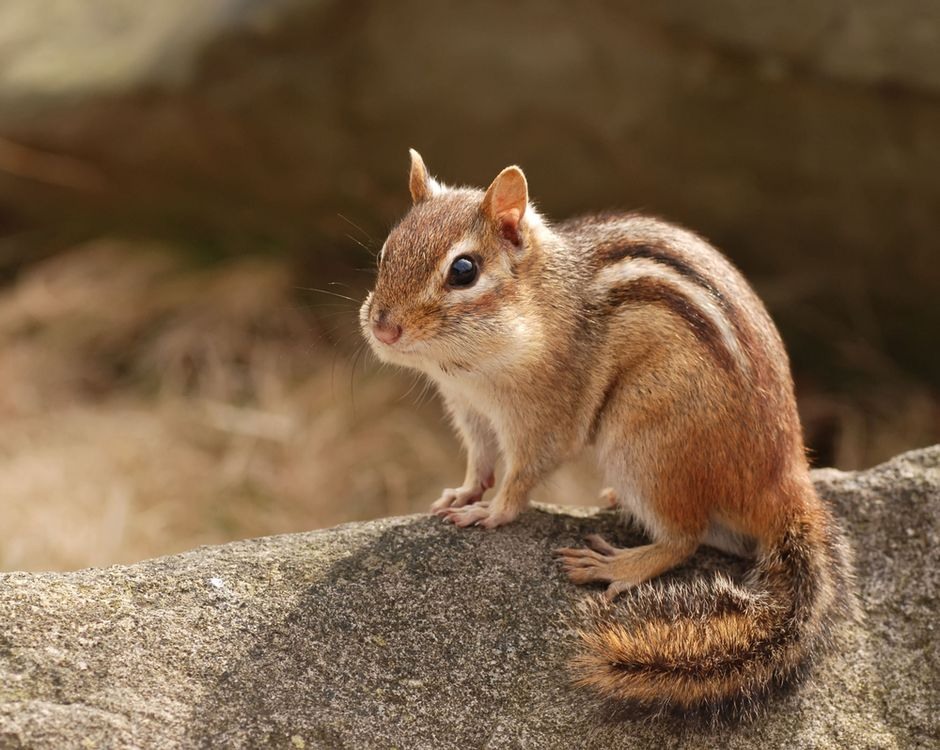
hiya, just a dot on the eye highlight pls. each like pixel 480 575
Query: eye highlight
pixel 463 272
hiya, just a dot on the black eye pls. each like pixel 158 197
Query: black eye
pixel 463 272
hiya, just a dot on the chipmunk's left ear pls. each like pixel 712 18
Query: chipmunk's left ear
pixel 505 201
pixel 421 184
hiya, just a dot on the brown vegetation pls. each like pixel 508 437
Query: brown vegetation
pixel 150 406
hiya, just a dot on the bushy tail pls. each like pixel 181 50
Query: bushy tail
pixel 715 648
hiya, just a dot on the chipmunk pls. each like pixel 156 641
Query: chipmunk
pixel 636 336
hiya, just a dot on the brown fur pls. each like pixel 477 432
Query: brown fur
pixel 680 379
pixel 652 292
pixel 714 648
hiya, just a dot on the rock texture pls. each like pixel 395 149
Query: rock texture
pixel 409 633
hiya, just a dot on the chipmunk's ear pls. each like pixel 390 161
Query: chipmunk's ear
pixel 421 184
pixel 505 201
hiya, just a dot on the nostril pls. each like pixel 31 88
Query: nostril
pixel 384 330
pixel 387 334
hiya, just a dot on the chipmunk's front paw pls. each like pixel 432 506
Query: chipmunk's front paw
pixel 461 496
pixel 456 498
pixel 488 515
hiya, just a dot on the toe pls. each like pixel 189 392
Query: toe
pixel 466 515
pixel 584 575
pixel 582 553
pixel 464 519
pixel 444 501
pixel 600 544
pixel 492 520
pixel 465 497
pixel 616 588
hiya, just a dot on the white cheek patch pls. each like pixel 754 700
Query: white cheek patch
pixel 364 309
pixel 529 343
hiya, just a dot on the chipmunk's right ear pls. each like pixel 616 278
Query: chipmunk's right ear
pixel 421 184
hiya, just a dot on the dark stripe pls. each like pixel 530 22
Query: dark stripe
pixel 666 257
pixel 670 258
pixel 654 292
pixel 602 406
pixel 793 569
pixel 789 574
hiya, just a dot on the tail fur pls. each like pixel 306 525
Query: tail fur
pixel 712 647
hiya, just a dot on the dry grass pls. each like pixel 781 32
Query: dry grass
pixel 149 407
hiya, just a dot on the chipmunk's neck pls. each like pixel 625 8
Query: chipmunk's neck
pixel 562 273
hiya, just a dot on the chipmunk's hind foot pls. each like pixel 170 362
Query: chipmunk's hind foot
pixel 621 569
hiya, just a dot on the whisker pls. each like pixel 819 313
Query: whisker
pixel 352 377
pixel 330 307
pixel 423 394
pixel 333 371
pixel 356 226
pixel 364 247
pixel 327 291
pixel 414 382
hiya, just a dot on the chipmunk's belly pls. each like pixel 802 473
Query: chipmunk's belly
pixel 622 472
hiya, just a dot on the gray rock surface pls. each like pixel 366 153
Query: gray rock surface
pixel 410 633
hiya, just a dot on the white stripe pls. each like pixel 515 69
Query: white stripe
pixel 630 269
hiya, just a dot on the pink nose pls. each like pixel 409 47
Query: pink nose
pixel 384 330
pixel 388 334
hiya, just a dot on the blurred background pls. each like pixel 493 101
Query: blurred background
pixel 191 195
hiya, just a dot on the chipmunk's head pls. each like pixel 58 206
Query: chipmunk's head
pixel 450 293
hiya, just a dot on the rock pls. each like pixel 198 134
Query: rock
pixel 407 632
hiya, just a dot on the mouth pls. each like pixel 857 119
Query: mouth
pixel 396 347
pixel 399 347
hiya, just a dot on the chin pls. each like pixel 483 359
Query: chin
pixel 392 355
